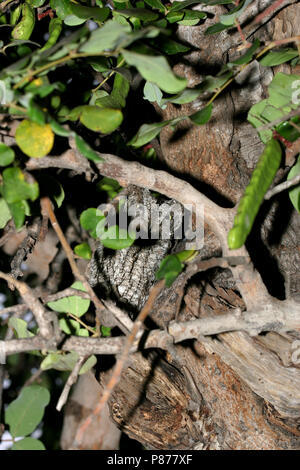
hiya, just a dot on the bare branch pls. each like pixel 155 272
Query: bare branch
pixel 14 309
pixel 277 316
pixel 282 187
pixel 71 380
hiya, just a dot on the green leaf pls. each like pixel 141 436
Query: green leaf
pixel 58 129
pixel 73 304
pixel 157 70
pixel 73 20
pixel 98 14
pixel 278 104
pixel 156 4
pixel 278 57
pixel 18 212
pixel 147 132
pixel 294 193
pixel 33 139
pixel 29 443
pixel 216 28
pixel 169 269
pixel 104 120
pixel 248 208
pixel 105 331
pixel 191 17
pixel 7 155
pixel 5 214
pixel 15 187
pixel 20 327
pixel 203 116
pixel 86 150
pixel 117 98
pixel 83 250
pixel 26 412
pixel 114 237
pixel 65 362
pixel 174 16
pixel 229 18
pixel 169 46
pixel 186 96
pixel 68 326
pixel 176 6
pixel 108 183
pixel 35 113
pixel 105 38
pixel 89 220
pixel 247 57
pixel 288 131
pixel 152 93
pixel 91 361
pixel 36 3
pixel 62 8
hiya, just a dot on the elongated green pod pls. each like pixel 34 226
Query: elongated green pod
pixel 15 15
pixel 55 28
pixel 24 28
pixel 249 205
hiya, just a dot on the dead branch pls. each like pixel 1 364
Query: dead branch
pixel 25 248
pixel 279 317
pixel 71 380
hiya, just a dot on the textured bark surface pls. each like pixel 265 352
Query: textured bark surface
pixel 233 391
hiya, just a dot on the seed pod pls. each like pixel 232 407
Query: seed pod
pixel 24 28
pixel 261 179
pixel 55 27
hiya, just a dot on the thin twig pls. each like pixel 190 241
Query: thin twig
pixel 71 380
pixel 33 378
pixel 282 187
pixel 47 207
pixel 14 309
pixel 286 117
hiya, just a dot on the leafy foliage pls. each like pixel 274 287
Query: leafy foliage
pixel 25 413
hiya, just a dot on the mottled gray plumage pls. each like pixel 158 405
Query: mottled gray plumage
pixel 129 273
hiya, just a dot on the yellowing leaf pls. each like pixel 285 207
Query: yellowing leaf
pixel 34 140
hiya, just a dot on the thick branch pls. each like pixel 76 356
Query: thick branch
pixel 277 316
